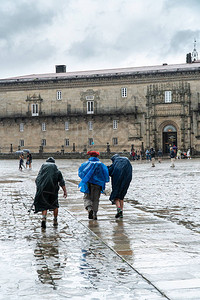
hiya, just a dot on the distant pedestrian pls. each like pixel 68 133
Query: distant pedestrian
pixel 94 175
pixel 153 154
pixel 178 154
pixel 47 182
pixel 160 154
pixel 188 154
pixel 172 156
pixel 29 160
pixel 21 162
pixel 121 176
pixel 147 155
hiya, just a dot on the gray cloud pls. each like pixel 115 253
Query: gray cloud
pixel 36 35
pixel 23 17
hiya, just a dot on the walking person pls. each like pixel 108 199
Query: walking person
pixel 172 156
pixel 160 154
pixel 188 154
pixel 153 154
pixel 47 182
pixel 121 176
pixel 28 160
pixel 21 162
pixel 94 175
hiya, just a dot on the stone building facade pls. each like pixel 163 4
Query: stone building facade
pixel 126 108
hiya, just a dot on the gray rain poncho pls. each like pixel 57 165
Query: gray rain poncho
pixel 47 182
pixel 121 176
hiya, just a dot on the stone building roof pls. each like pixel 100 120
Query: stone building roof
pixel 165 68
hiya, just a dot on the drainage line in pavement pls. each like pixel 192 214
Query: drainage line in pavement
pixel 140 274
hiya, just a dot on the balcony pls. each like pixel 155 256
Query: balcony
pixel 77 112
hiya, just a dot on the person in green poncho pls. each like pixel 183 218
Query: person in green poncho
pixel 47 183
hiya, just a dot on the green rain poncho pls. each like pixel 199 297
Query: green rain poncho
pixel 47 182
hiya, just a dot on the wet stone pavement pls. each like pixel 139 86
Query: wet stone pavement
pixel 152 253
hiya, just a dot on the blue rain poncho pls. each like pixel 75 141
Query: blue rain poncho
pixel 93 171
pixel 121 176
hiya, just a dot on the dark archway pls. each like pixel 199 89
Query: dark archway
pixel 169 138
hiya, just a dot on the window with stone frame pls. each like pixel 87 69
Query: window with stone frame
pixel 43 126
pixel 59 95
pixel 21 127
pixel 115 124
pixel 90 125
pixel 90 107
pixel 67 125
pixel 168 96
pixel 44 142
pixel 90 142
pixel 124 92
pixel 115 141
pixel 35 109
pixel 21 143
pixel 67 142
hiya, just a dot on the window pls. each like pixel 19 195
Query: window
pixel 90 107
pixel 59 95
pixel 21 127
pixel 124 92
pixel 168 96
pixel 35 110
pixel 90 142
pixel 21 143
pixel 66 125
pixel 67 142
pixel 115 141
pixel 90 125
pixel 43 142
pixel 115 124
pixel 43 126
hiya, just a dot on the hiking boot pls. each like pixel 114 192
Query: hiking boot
pixel 90 214
pixel 55 222
pixel 119 213
pixel 43 224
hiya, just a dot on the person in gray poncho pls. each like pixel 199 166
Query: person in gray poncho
pixel 47 182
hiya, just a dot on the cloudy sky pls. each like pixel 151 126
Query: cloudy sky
pixel 36 35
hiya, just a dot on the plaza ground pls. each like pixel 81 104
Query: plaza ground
pixel 152 253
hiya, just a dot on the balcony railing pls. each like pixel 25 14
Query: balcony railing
pixel 71 112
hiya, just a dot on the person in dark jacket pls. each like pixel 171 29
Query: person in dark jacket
pixel 153 154
pixel 172 156
pixel 47 182
pixel 121 176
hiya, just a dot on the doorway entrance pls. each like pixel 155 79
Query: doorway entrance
pixel 169 138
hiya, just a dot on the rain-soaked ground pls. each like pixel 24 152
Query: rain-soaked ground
pixel 153 253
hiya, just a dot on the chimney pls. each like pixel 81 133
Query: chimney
pixel 188 58
pixel 60 68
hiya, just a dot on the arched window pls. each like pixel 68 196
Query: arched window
pixel 169 128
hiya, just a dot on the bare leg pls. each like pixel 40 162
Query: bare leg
pixel 119 203
pixel 55 213
pixel 44 213
pixel 44 217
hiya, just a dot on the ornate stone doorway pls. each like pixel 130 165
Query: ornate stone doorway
pixel 169 138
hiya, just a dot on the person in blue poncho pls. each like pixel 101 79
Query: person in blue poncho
pixel 121 176
pixel 94 175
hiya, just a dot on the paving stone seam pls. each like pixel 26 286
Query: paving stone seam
pixel 123 259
